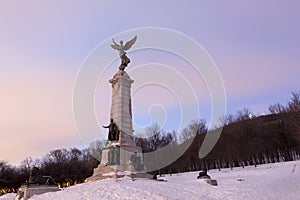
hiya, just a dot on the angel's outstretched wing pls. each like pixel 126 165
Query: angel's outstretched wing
pixel 130 43
pixel 115 45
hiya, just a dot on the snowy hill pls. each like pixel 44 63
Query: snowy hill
pixel 271 181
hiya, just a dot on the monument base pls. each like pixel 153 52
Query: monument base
pixel 104 172
pixel 118 162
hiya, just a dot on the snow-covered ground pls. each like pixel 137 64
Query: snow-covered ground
pixel 271 181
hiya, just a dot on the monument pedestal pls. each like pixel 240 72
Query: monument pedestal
pixel 121 158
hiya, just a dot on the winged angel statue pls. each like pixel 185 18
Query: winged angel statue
pixel 122 48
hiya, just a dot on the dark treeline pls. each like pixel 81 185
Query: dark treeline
pixel 246 139
pixel 67 167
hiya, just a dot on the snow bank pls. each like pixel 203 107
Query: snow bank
pixel 9 196
pixel 272 181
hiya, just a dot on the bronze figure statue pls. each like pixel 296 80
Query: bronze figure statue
pixel 122 48
pixel 113 131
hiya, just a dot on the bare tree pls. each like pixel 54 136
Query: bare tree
pixel 277 108
pixel 294 103
pixel 95 149
pixel 194 128
pixel 226 120
pixel 244 114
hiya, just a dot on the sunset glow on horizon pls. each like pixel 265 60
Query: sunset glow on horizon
pixel 255 45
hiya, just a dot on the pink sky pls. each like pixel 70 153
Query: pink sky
pixel 255 44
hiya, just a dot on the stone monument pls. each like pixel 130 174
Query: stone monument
pixel 120 157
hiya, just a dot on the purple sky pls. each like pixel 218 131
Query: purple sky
pixel 255 45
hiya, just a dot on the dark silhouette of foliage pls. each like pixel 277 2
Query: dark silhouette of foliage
pixel 246 139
